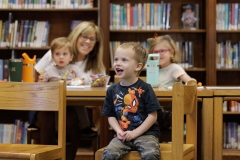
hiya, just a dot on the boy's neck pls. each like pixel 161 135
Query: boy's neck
pixel 128 81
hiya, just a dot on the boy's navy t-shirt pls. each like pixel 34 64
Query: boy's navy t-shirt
pixel 130 105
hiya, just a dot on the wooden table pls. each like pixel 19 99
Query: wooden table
pixel 220 96
pixel 95 96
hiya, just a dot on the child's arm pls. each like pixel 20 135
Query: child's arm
pixel 41 76
pixel 115 125
pixel 149 121
pixel 185 78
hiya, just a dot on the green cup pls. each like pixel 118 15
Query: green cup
pixel 15 70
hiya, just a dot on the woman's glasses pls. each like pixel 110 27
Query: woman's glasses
pixel 161 51
pixel 85 38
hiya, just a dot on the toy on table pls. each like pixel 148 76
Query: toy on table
pixel 99 80
pixel 199 84
pixel 76 82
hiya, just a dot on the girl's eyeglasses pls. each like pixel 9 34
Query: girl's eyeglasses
pixel 161 51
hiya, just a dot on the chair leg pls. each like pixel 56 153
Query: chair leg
pixel 95 144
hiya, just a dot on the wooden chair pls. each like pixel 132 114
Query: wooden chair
pixel 33 134
pixel 184 101
pixel 96 120
pixel 26 96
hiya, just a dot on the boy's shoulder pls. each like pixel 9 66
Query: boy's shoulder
pixel 113 86
pixel 142 82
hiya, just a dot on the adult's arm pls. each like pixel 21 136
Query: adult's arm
pixel 44 62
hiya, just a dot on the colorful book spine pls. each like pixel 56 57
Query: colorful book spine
pixel 25 33
pixel 1 69
pixel 6 69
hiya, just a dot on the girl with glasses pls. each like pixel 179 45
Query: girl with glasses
pixel 169 71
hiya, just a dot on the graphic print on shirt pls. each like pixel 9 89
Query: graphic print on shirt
pixel 126 106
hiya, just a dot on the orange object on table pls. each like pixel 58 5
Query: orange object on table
pixel 28 71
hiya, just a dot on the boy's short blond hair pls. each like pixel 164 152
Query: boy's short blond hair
pixel 170 44
pixel 59 43
pixel 140 53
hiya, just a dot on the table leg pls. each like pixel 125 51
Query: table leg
pixel 207 129
pixel 218 129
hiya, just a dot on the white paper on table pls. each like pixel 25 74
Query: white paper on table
pixel 75 87
pixel 223 87
pixel 80 87
pixel 199 88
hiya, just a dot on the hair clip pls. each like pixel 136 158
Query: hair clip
pixel 155 35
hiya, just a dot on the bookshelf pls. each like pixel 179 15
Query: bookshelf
pixel 222 35
pixel 220 116
pixel 204 45
pixel 59 18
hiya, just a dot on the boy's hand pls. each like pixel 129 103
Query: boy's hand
pixel 121 135
pixel 41 78
pixel 130 135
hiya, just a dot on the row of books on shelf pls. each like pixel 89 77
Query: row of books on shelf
pixel 146 16
pixel 185 49
pixel 5 69
pixel 228 16
pixel 231 135
pixel 186 58
pixel 44 4
pixel 228 55
pixel 24 33
pixel 14 133
pixel 151 16
pixel 231 106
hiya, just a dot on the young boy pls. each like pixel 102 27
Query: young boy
pixel 131 107
pixel 62 56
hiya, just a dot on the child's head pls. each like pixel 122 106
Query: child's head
pixel 166 48
pixel 129 60
pixel 61 51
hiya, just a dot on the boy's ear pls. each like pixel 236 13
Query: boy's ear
pixel 139 67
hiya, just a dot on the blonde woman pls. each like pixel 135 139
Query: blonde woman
pixel 87 46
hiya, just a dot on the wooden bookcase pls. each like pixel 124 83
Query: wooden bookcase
pixel 59 19
pixel 233 75
pixel 203 38
pixel 219 117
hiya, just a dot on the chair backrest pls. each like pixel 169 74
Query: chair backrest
pixel 116 79
pixel 35 96
pixel 184 101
